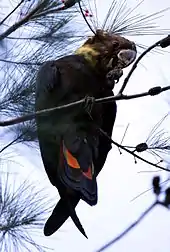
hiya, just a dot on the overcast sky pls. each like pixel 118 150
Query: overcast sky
pixel 119 182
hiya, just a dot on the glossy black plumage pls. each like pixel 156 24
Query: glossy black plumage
pixel 60 82
pixel 72 149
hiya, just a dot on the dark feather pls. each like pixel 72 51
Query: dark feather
pixel 72 149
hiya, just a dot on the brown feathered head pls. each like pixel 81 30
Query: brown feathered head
pixel 108 52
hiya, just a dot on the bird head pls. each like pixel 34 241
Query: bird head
pixel 108 52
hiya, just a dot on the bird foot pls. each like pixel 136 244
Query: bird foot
pixel 88 103
pixel 113 77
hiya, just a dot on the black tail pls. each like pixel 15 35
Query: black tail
pixel 60 214
pixel 75 218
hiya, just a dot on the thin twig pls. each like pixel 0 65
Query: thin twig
pixel 131 152
pixel 72 104
pixel 135 65
pixel 22 63
pixel 139 195
pixel 127 230
pixel 119 97
pixel 40 112
pixel 11 142
pixel 18 24
pixel 18 5
pixel 44 13
pixel 82 13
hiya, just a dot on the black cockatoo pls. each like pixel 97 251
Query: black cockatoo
pixel 72 149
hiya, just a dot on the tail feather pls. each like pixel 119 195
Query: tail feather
pixel 77 173
pixel 60 214
pixel 75 219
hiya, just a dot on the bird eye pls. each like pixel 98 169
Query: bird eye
pixel 115 44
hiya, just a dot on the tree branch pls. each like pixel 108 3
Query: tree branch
pixel 165 202
pixel 18 5
pixel 52 11
pixel 22 63
pixel 158 43
pixel 128 229
pixel 15 26
pixel 32 13
pixel 151 92
pixel 11 143
pixel 131 152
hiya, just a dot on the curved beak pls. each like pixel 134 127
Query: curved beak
pixel 127 56
pixel 124 58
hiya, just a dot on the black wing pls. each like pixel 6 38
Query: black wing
pixel 61 82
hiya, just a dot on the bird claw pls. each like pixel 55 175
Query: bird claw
pixel 88 103
pixel 113 77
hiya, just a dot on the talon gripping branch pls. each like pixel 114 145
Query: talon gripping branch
pixel 72 150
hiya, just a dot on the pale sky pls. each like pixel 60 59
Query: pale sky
pixel 119 182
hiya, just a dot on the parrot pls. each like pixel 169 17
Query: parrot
pixel 73 150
